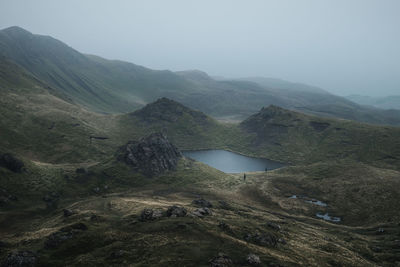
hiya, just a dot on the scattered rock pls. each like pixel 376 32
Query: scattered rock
pixel 274 226
pixel 10 162
pixel 20 258
pixel 262 239
pixel 176 211
pixel 152 155
pixel 201 202
pixel 56 239
pixel 150 215
pixel 225 227
pixel 253 259
pixel 67 212
pixel 221 260
pixel 201 212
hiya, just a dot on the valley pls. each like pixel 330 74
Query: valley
pixel 92 171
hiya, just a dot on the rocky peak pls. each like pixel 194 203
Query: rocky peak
pixel 152 155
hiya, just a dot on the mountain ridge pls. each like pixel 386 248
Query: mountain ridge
pixel 115 86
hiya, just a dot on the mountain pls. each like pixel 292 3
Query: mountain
pixel 274 83
pixel 112 86
pixel 387 102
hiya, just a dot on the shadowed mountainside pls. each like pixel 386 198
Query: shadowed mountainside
pixel 114 86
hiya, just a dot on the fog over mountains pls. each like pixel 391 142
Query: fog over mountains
pixel 199 133
pixel 345 47
pixel 116 86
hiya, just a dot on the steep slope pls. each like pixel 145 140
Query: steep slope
pixel 113 86
pixel 38 125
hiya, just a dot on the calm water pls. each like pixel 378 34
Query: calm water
pixel 230 162
pixel 327 217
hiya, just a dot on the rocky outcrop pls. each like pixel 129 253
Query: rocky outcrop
pixel 253 259
pixel 150 215
pixel 262 239
pixel 152 155
pixel 221 260
pixel 201 212
pixel 10 162
pixel 201 202
pixel 176 211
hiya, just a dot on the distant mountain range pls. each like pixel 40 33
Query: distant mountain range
pixel 387 102
pixel 112 86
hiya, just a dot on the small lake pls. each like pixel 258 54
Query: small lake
pixel 230 162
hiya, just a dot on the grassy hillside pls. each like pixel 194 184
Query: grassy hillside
pixel 110 217
pixel 66 169
pixel 113 86
pixel 297 137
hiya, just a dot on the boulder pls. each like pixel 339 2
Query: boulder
pixel 221 260
pixel 262 239
pixel 253 259
pixel 10 162
pixel 151 156
pixel 20 258
pixel 67 212
pixel 150 215
pixel 176 211
pixel 201 202
pixel 201 212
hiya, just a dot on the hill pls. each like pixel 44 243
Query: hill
pixel 112 86
pixel 76 203
pixel 305 138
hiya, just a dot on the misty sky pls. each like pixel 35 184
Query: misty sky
pixel 343 46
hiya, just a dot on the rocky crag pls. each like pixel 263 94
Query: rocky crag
pixel 152 155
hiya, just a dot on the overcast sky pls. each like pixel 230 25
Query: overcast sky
pixel 343 46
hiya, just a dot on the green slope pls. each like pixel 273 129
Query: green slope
pixel 304 138
pixel 115 86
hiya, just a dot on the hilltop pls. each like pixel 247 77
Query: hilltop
pixel 306 138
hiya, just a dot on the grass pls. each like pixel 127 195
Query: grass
pixel 186 241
